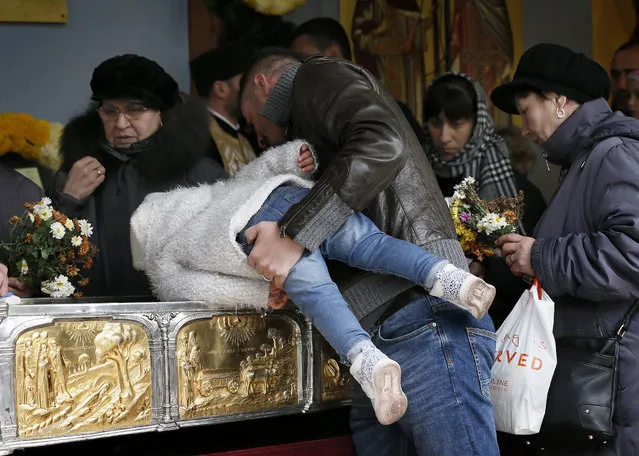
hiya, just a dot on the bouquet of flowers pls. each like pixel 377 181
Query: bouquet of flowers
pixel 480 223
pixel 49 251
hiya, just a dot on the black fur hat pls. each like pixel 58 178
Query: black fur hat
pixel 554 68
pixel 136 77
pixel 219 64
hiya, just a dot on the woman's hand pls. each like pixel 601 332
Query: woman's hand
pixel 516 250
pixel 19 289
pixel 84 177
pixel 306 162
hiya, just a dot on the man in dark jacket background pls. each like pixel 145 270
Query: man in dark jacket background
pixel 15 190
pixel 325 35
pixel 371 161
pixel 216 75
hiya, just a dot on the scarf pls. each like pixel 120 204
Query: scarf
pixel 125 154
pixel 484 156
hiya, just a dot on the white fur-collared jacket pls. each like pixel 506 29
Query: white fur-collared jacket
pixel 184 239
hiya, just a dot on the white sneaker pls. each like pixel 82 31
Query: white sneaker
pixel 465 290
pixel 381 380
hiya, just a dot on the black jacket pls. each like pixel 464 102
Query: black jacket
pixel 176 158
pixel 15 190
pixel 370 161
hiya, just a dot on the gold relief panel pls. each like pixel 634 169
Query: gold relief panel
pixel 237 363
pixel 336 379
pixel 82 376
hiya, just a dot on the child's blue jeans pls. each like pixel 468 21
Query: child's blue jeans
pixel 358 243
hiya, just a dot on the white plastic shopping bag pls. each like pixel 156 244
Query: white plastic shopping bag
pixel 525 361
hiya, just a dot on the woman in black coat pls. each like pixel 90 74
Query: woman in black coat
pixel 137 137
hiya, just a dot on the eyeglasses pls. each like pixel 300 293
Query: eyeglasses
pixel 131 112
pixel 616 74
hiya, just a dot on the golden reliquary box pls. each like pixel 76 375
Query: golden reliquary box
pixel 93 368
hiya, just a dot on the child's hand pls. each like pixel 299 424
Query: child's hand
pixel 306 161
pixel 276 297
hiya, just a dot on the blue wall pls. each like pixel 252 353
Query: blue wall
pixel 45 69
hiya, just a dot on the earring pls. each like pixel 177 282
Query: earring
pixel 560 113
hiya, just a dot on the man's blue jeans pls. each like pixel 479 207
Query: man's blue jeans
pixel 446 357
pixel 360 244
pixel 445 353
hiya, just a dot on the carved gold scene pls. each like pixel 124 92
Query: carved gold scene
pixel 336 379
pixel 82 376
pixel 237 363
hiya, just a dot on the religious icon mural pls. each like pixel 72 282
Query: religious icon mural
pixel 403 43
pixel 482 45
pixel 389 40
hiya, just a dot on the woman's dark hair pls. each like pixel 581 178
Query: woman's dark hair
pixel 451 95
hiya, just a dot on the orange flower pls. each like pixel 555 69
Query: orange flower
pixel 15 220
pixel 510 216
pixel 83 282
pixel 71 256
pixel 72 271
pixel 84 248
pixel 38 221
pixel 28 238
pixel 88 263
pixel 77 294
pixel 62 258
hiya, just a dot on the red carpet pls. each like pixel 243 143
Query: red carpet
pixel 338 446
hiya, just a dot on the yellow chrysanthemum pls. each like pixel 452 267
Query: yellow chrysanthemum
pixel 23 134
pixel 274 7
pixel 50 154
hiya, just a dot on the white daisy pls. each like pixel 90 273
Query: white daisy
pixel 24 268
pixel 60 287
pixel 85 228
pixel 69 225
pixel 459 195
pixel 46 201
pixel 57 230
pixel 46 214
pixel 76 241
pixel 31 217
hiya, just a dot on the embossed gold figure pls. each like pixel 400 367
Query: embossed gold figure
pixel 29 365
pixel 82 376
pixel 58 373
pixel 234 364
pixel 42 380
pixel 336 379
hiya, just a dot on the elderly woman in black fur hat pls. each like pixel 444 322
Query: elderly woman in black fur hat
pixel 137 137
